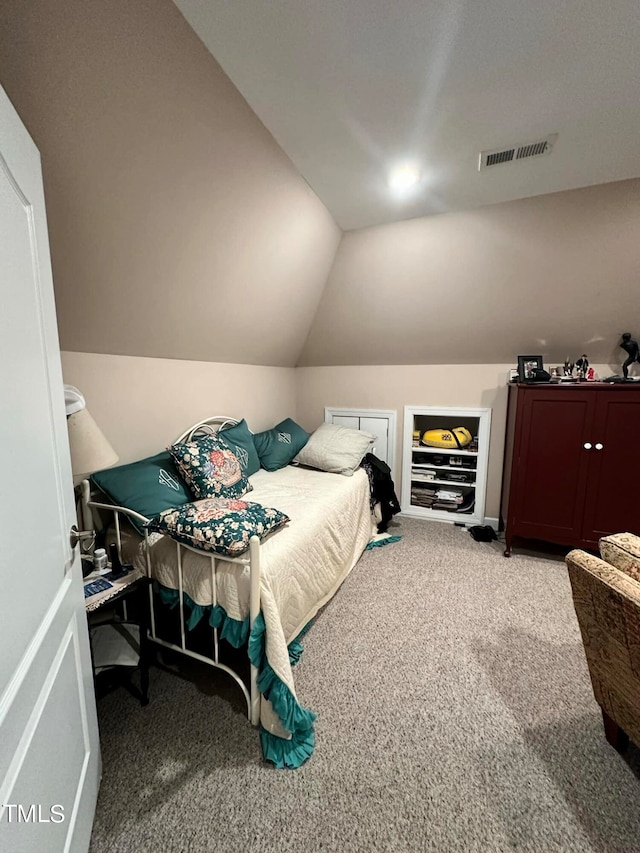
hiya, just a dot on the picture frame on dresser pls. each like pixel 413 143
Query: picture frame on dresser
pixel 527 364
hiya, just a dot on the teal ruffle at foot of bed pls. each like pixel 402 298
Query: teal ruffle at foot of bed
pixel 379 543
pixel 288 754
pixel 283 752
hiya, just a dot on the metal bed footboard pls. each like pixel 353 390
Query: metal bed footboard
pixel 250 693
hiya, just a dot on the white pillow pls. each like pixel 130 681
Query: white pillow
pixel 335 449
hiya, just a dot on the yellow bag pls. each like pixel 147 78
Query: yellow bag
pixel 452 439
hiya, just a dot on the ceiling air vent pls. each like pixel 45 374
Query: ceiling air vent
pixel 524 150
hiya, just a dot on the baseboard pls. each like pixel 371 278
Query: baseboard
pixel 448 519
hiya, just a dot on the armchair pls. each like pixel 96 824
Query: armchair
pixel 606 597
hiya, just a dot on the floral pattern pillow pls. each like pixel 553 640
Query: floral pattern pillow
pixel 221 525
pixel 209 468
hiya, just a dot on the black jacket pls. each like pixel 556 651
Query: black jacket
pixel 382 489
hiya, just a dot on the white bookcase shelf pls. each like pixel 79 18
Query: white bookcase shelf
pixel 425 498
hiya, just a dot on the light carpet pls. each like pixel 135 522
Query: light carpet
pixel 455 713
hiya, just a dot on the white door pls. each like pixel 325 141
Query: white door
pixel 379 422
pixel 49 755
pixel 380 428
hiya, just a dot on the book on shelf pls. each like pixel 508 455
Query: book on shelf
pixel 449 495
pixel 422 496
pixel 424 503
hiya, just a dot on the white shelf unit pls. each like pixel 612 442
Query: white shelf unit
pixel 473 463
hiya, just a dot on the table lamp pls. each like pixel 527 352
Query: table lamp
pixel 90 451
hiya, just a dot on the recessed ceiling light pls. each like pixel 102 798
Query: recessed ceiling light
pixel 404 177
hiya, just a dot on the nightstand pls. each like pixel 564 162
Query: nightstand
pixel 118 625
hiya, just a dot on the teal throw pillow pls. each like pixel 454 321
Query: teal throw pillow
pixel 276 447
pixel 147 486
pixel 217 524
pixel 209 468
pixel 240 441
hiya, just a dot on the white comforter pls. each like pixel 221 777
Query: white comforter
pixel 302 565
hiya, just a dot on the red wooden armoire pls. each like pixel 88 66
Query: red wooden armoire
pixel 572 462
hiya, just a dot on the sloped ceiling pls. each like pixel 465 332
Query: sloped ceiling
pixel 178 227
pixel 555 275
pixel 348 88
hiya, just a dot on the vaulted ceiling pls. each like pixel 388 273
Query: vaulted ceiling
pixel 350 88
pixel 179 229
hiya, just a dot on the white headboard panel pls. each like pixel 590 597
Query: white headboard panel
pixel 208 426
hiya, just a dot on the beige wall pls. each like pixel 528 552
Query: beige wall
pixel 555 275
pixel 143 404
pixel 178 227
pixel 395 386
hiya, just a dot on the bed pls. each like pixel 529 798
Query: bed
pixel 264 599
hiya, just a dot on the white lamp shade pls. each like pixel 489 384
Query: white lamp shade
pixel 90 450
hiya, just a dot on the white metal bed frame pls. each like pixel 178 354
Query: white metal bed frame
pixel 251 693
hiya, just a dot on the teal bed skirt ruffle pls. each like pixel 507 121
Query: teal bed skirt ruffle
pixel 382 541
pixel 283 752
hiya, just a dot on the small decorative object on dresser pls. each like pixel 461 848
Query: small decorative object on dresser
pixel 582 366
pixel 633 352
pixel 527 364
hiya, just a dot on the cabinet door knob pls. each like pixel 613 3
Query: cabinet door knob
pixel 599 446
pixel 587 445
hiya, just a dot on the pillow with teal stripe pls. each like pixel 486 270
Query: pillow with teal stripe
pixel 239 440
pixel 148 486
pixel 276 447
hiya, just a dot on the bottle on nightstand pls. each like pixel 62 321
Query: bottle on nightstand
pixel 117 568
pixel 100 561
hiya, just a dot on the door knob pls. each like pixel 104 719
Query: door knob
pixel 81 536
pixel 587 445
pixel 599 446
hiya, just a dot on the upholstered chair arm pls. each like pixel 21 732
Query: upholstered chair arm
pixel 607 604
